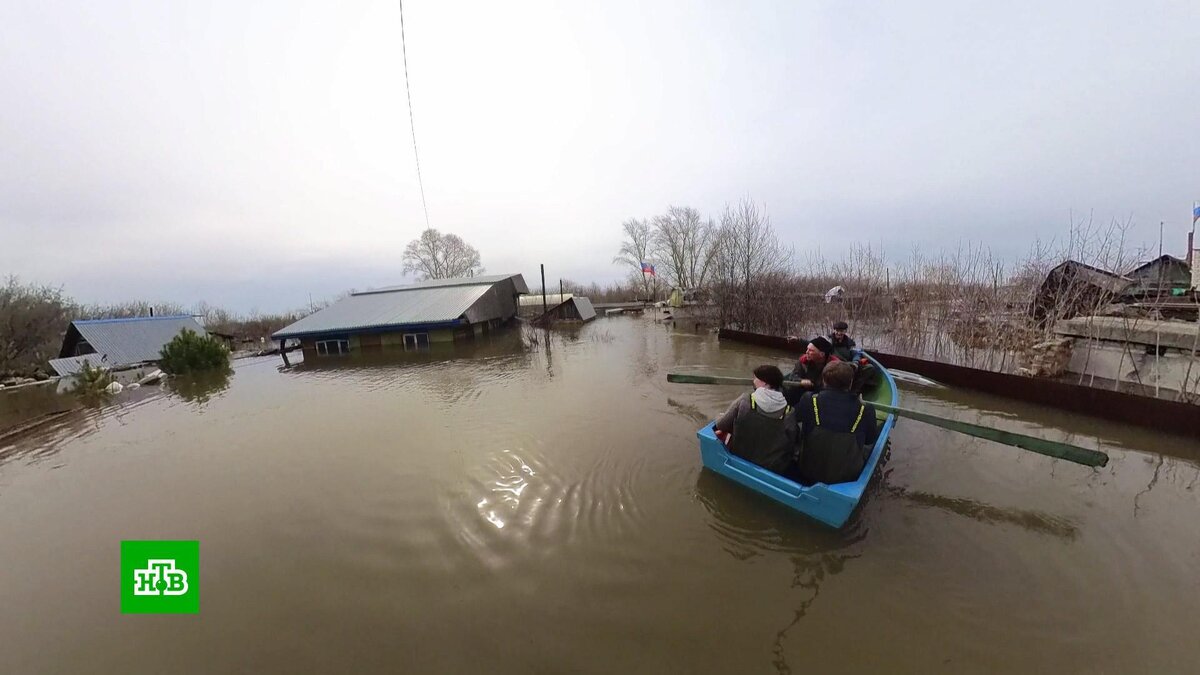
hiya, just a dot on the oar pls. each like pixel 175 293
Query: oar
pixel 1042 446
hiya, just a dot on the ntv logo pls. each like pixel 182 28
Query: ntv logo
pixel 160 577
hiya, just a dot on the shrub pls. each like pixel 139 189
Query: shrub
pixel 92 383
pixel 189 352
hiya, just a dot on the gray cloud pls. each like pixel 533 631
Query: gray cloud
pixel 249 154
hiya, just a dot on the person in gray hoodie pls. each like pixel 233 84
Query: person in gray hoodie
pixel 761 426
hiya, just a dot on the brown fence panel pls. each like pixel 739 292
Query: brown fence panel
pixel 1173 416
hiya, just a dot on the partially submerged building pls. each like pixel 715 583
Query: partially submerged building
pixel 117 343
pixel 408 317
pixel 558 307
pixel 1074 288
pixel 531 306
pixel 1159 277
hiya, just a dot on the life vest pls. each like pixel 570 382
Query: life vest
pixel 764 438
pixel 832 456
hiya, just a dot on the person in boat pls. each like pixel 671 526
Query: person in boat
pixel 838 430
pixel 761 427
pixel 808 369
pixel 843 345
pixel 846 350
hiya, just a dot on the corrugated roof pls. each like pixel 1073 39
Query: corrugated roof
pixel 586 311
pixel 134 340
pixel 1149 263
pixel 396 308
pixel 1113 283
pixel 73 364
pixel 427 302
pixel 488 280
pixel 552 299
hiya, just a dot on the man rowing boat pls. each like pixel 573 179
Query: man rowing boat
pixel 808 368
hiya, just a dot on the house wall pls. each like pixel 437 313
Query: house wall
pixel 366 343
pixel 1172 271
pixel 1160 277
pixel 499 302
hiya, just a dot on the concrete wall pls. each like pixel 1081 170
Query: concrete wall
pixel 1109 361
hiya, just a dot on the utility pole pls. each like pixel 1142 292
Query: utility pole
pixel 544 308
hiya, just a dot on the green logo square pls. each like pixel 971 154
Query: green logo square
pixel 160 577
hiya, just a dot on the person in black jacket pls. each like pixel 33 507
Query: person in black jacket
pixel 838 430
pixel 843 344
pixel 807 370
pixel 760 426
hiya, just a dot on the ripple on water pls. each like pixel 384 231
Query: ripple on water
pixel 750 525
pixel 517 503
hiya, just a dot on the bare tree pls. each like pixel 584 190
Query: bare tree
pixel 745 249
pixel 434 255
pixel 635 249
pixel 749 246
pixel 683 244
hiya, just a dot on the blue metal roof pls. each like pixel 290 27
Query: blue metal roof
pixel 73 364
pixel 133 340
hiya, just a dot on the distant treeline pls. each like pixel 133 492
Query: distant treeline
pixel 34 318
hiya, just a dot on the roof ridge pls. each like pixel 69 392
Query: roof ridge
pixel 134 318
pixel 481 280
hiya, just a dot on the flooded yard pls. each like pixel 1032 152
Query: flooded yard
pixel 518 507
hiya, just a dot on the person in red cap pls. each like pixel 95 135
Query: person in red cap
pixel 808 368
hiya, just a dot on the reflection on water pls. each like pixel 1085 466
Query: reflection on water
pixel 525 505
pixel 199 387
pixel 1033 521
pixel 751 525
pixel 691 412
pixel 29 402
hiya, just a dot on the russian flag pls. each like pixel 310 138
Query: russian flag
pixel 1195 217
pixel 647 268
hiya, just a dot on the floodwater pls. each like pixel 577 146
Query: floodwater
pixel 523 508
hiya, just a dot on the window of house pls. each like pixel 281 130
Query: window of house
pixel 333 347
pixel 416 340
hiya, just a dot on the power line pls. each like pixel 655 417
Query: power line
pixel 412 125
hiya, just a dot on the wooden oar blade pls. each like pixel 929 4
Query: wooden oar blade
pixel 1042 446
pixel 692 378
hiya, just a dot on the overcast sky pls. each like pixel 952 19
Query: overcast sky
pixel 251 153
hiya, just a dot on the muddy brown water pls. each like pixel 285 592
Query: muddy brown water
pixel 518 509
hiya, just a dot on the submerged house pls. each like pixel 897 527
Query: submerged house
pixel 1074 288
pixel 115 343
pixel 408 317
pixel 530 306
pixel 1159 277
pixel 560 307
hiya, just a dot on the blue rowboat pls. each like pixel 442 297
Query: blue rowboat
pixel 830 504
